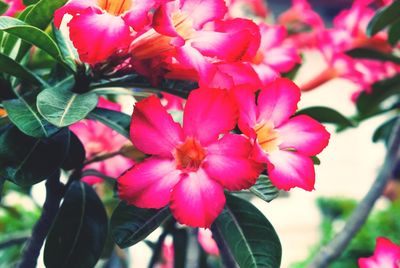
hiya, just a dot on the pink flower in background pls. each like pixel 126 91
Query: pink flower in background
pixel 99 139
pixel 207 242
pixel 14 6
pixel 100 28
pixel 284 143
pixel 247 9
pixel 189 166
pixel 386 255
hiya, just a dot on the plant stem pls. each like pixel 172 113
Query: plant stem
pixel 336 247
pixel 54 193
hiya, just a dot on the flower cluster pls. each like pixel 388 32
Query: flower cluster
pixel 196 40
pixel 190 166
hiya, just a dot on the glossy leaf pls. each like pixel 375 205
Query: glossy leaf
pixel 130 224
pixel 248 235
pixel 23 113
pixel 366 53
pixel 384 17
pixel 264 189
pixel 118 121
pixel 327 115
pixel 66 47
pixel 384 131
pixel 394 33
pixel 62 107
pixel 75 155
pixel 25 160
pixel 78 234
pixel 13 68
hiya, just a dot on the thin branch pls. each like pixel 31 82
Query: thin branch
pixel 332 250
pixel 102 157
pixel 54 194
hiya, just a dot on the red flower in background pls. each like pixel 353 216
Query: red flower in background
pixel 386 255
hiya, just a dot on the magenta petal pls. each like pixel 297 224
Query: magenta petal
pixel 202 11
pixel 228 162
pixel 149 183
pixel 162 21
pixel 197 200
pixel 289 169
pixel 153 131
pixel 73 8
pixel 209 113
pixel 278 101
pixel 303 134
pixel 248 112
pixel 386 254
pixel 98 36
pixel 138 16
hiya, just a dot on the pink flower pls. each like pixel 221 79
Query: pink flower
pixel 386 255
pixel 14 6
pixel 100 28
pixel 99 139
pixel 283 142
pixel 207 242
pixel 189 166
pixel 242 8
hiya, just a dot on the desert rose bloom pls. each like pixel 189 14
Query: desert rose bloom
pixel 283 142
pixel 99 28
pixel 386 255
pixel 14 6
pixel 207 242
pixel 99 139
pixel 189 166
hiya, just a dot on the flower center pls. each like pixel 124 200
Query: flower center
pixel 258 58
pixel 267 137
pixel 189 155
pixel 115 7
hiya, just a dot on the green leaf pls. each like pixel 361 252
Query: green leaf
pixel 264 189
pixel 383 18
pixel 75 155
pixel 327 115
pixel 32 35
pixel 383 131
pixel 130 224
pixel 79 231
pixel 25 160
pixel 394 33
pixel 40 16
pixel 66 47
pixel 366 53
pixel 11 67
pixel 118 121
pixel 369 103
pixel 248 235
pixel 3 7
pixel 23 113
pixel 30 2
pixel 62 107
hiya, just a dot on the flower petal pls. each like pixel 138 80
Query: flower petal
pixel 197 200
pixel 278 101
pixel 303 134
pixel 248 112
pixel 108 34
pixel 209 113
pixel 149 183
pixel 289 169
pixel 228 163
pixel 153 131
pixel 202 11
pixel 73 8
pixel 138 16
pixel 386 254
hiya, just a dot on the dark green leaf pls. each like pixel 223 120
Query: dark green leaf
pixel 11 67
pixel 25 160
pixel 76 154
pixel 130 224
pixel 30 2
pixel 369 103
pixel 394 33
pixel 78 234
pixel 248 235
pixel 31 34
pixel 383 18
pixel 366 53
pixel 180 242
pixel 23 113
pixel 264 189
pixel 384 131
pixel 3 7
pixel 118 121
pixel 62 107
pixel 66 47
pixel 327 115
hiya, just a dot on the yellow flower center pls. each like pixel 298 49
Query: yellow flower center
pixel 189 155
pixel 267 137
pixel 115 7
